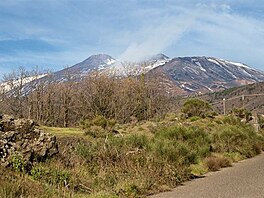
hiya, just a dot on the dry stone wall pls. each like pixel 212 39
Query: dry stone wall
pixel 21 137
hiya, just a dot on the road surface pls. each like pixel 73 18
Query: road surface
pixel 244 180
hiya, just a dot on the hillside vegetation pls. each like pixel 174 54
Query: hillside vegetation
pixel 125 138
pixel 252 100
pixel 143 158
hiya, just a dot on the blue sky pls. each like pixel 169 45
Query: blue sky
pixel 53 34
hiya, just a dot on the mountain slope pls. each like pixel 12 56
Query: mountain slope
pixel 120 68
pixel 97 62
pixel 205 74
pixel 250 97
pixel 180 75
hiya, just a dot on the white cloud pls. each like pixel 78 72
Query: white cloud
pixel 207 29
pixel 156 38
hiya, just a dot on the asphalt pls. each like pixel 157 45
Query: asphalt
pixel 244 180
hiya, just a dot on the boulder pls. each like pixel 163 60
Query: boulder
pixel 21 137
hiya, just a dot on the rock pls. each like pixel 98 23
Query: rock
pixel 21 137
pixel 7 123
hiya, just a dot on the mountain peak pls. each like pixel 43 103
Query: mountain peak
pixel 98 58
pixel 159 56
pixel 189 74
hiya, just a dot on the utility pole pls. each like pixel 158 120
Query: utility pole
pixel 243 101
pixel 224 105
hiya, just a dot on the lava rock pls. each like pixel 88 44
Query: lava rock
pixel 21 137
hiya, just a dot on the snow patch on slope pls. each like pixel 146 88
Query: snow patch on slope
pixel 214 61
pixel 238 64
pixel 199 64
pixel 7 86
pixel 110 61
pixel 157 64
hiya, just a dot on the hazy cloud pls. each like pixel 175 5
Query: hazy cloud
pixel 157 37
pixel 204 29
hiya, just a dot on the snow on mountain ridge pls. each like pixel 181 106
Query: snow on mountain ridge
pixel 191 74
pixel 202 74
pixel 8 85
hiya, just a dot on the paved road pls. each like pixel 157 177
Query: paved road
pixel 244 180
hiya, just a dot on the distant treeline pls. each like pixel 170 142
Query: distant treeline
pixel 66 103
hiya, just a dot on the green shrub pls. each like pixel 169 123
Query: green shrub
pixel 240 138
pixel 138 141
pixel 98 127
pixel 18 163
pixel 242 114
pixel 195 140
pixel 100 121
pixel 232 120
pixel 234 156
pixel 198 169
pixel 95 131
pixel 166 150
pixel 195 118
pixel 53 176
pixel 196 107
pixel 37 172
pixel 128 189
pixel 261 121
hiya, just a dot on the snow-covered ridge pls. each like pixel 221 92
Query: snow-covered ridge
pixel 8 85
pixel 229 66
pixel 191 74
pixel 156 63
pixel 106 64
pixel 225 62
pixel 120 68
pixel 213 61
pixel 110 61
pixel 235 63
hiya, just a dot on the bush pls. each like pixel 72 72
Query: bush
pixel 95 132
pixel 242 114
pixel 196 107
pixel 195 118
pixel 261 121
pixel 232 120
pixel 138 141
pixel 198 169
pixel 52 176
pixel 98 127
pixel 233 156
pixel 214 163
pixel 187 143
pixel 239 138
pixel 18 163
pixel 37 173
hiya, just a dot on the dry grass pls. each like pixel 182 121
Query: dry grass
pixel 58 131
pixel 148 157
pixel 214 163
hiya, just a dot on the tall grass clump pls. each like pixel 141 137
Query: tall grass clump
pixel 99 126
pixel 240 138
pixel 195 138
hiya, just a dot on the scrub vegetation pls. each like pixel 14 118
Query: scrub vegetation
pixel 145 158
pixel 126 139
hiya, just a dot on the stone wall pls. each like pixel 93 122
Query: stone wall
pixel 21 137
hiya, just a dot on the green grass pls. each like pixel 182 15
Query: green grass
pixel 58 131
pixel 148 157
